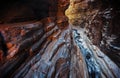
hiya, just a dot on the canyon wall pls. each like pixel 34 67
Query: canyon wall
pixel 50 45
pixel 101 21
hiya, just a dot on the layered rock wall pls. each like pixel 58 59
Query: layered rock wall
pixel 55 48
pixel 101 22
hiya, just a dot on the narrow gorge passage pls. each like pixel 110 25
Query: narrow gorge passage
pixel 60 39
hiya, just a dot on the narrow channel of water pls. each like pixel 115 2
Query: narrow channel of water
pixel 80 40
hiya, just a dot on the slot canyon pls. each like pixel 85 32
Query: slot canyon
pixel 59 39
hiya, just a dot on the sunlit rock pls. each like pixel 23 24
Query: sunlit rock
pixel 80 11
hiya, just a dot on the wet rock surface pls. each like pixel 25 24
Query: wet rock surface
pixel 101 21
pixel 104 30
pixel 39 49
pixel 47 50
pixel 85 47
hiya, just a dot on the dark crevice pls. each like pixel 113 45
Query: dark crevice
pixel 3 45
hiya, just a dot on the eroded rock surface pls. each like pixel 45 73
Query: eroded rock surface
pixel 101 22
pixel 55 48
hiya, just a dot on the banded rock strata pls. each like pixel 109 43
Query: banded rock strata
pixel 55 48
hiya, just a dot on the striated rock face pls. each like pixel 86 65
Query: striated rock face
pixel 101 23
pixel 36 50
pixel 110 36
pixel 55 48
pixel 52 50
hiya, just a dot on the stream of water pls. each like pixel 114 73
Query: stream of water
pixel 80 39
